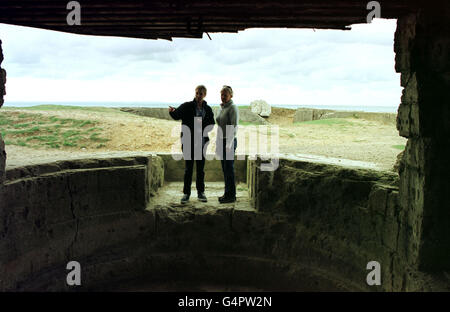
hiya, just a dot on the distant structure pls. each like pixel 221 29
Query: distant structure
pixel 261 108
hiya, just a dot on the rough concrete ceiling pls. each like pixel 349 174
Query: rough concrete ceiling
pixel 153 19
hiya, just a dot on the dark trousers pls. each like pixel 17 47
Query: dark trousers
pixel 228 170
pixel 200 180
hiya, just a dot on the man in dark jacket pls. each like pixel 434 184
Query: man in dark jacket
pixel 195 117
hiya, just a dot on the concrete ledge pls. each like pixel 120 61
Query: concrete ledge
pixel 355 213
pixel 212 247
pixel 315 228
pixel 224 246
pixel 56 212
pixel 98 161
pixel 174 169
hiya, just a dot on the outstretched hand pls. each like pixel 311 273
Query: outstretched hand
pixel 171 109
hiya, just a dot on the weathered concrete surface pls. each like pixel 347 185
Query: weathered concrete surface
pixel 315 227
pixel 318 233
pixel 138 157
pixel 68 210
pixel 422 49
pixel 2 144
pixel 312 220
pixel 170 196
pixel 319 159
pixel 101 160
pixel 399 165
pixel 351 216
pixel 41 228
pixel 227 244
pixel 230 245
pixel 2 77
pixel 308 114
pixel 156 174
pixel 2 161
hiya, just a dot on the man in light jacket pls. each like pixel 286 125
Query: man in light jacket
pixel 227 121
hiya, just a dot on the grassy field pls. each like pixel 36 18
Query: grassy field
pixel 52 107
pixel 399 147
pixel 247 123
pixel 37 131
pixel 53 130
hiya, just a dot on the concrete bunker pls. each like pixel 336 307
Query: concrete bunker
pixel 322 244
pixel 111 215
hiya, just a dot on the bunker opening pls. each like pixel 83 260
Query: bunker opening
pixel 311 224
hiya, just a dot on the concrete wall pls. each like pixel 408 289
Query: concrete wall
pixel 310 217
pixel 347 216
pixel 2 143
pixel 308 114
pixel 69 210
pixel 422 48
pixel 92 211
pixel 2 93
pixel 315 228
pixel 174 169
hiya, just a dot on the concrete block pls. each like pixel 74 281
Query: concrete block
pixel 303 114
pixel 403 120
pixel 2 160
pixel 403 40
pixel 390 233
pixel 414 121
pixel 378 200
pixel 155 167
pixel 101 232
pixel 392 206
pixel 410 92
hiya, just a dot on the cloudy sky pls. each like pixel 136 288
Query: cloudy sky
pixel 281 66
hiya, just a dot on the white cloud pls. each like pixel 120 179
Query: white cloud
pixel 281 66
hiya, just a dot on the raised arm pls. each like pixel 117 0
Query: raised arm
pixel 178 112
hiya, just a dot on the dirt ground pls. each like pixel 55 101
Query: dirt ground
pixel 353 139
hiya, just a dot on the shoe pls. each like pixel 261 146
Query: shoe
pixel 228 199
pixel 222 197
pixel 202 197
pixel 185 199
